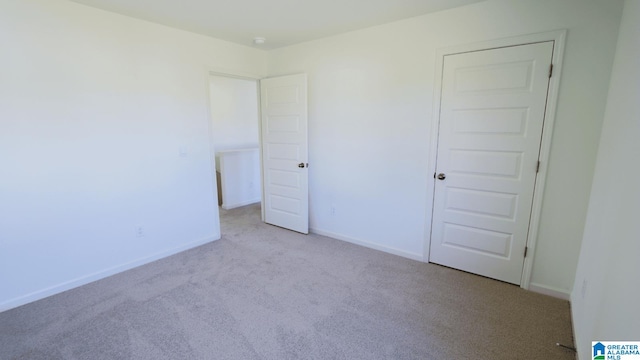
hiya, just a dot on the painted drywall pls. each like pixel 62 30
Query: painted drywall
pixel 371 114
pixel 234 113
pixel 104 129
pixel 234 118
pixel 240 177
pixel 606 294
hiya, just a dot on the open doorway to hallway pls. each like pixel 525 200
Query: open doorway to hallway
pixel 235 124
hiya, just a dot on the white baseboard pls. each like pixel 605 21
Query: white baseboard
pixel 243 203
pixel 550 290
pixel 83 280
pixel 387 249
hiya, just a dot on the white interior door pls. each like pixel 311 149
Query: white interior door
pixel 491 116
pixel 284 152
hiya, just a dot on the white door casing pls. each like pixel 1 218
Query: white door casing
pixel 492 109
pixel 285 152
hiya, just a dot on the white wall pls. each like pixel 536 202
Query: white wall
pixel 234 113
pixel 95 110
pixel 240 177
pixel 371 112
pixel 606 294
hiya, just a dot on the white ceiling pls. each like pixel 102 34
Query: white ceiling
pixel 281 22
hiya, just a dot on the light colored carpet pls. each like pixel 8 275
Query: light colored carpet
pixel 262 292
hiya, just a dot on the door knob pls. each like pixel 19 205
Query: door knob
pixel 301 165
pixel 441 176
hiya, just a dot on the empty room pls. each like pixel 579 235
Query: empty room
pixel 430 179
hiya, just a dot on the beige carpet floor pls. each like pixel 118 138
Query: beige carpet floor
pixel 262 292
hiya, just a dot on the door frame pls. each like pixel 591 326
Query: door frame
pixel 558 37
pixel 210 71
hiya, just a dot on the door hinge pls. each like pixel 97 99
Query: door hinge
pixel 526 248
pixel 550 70
pixel 538 167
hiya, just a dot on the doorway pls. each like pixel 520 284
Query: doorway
pixel 236 137
pixel 259 137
